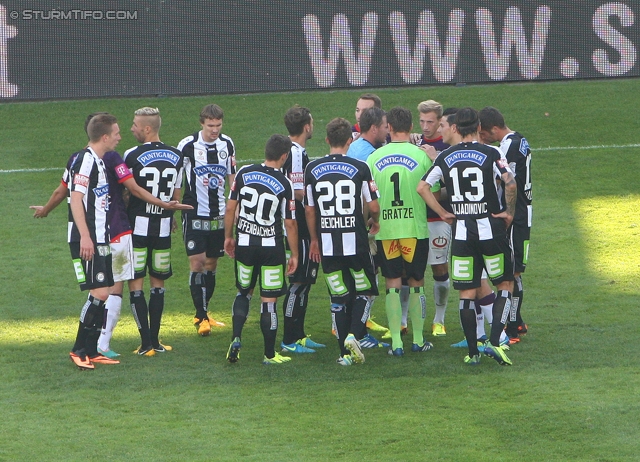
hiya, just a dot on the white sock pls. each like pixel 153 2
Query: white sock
pixel 503 337
pixel 404 302
pixel 440 297
pixel 480 332
pixel 113 307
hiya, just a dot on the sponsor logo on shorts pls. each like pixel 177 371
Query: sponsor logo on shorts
pixel 100 277
pixel 440 242
pixel 191 245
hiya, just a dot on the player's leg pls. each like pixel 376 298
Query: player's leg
pixel 415 257
pixel 215 250
pixel 466 272
pixel 113 307
pixel 159 271
pixel 499 265
pixel 95 276
pixel 137 299
pixel 195 242
pixel 122 268
pixel 391 266
pixel 520 242
pixel 246 278
pixel 439 239
pixel 337 284
pixel 272 285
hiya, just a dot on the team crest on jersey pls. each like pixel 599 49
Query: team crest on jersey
pixel 465 156
pixel 328 168
pixel 266 180
pixel 159 155
pixel 200 155
pixel 524 147
pixel 222 155
pixel 213 169
pixel 396 160
pixel 212 182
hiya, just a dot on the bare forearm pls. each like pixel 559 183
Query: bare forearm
pixel 292 236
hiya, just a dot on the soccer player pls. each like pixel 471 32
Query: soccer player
pixel 157 168
pixel 403 240
pixel 336 186
pixel 299 123
pixel 516 149
pixel 89 236
pixel 209 164
pixel 118 177
pixel 480 221
pixel 263 198
pixel 432 143
pixel 366 101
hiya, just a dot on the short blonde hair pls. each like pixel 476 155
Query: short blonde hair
pixel 430 106
pixel 152 117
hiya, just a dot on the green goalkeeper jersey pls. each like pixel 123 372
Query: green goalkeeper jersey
pixel 397 169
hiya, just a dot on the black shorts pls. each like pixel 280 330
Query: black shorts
pixel 307 270
pixel 470 257
pixel 202 235
pixel 268 263
pixel 154 253
pixel 403 258
pixel 96 273
pixel 520 235
pixel 347 277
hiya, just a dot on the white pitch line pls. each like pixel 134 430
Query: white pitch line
pixel 253 161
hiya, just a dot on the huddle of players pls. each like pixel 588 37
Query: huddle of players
pixel 261 199
pixel 488 217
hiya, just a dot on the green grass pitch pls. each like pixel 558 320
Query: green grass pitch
pixel 572 393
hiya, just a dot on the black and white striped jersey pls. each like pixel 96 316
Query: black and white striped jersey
pixel 88 176
pixel 469 171
pixel 335 186
pixel 157 168
pixel 515 148
pixel 265 199
pixel 206 167
pixel 293 168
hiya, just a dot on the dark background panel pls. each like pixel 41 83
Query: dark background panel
pixel 184 47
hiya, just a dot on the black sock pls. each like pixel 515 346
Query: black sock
pixel 156 307
pixel 359 315
pixel 269 327
pixel 198 294
pixel 469 325
pixel 302 311
pixel 210 283
pixel 341 323
pixel 141 315
pixel 501 308
pixel 239 313
pixel 516 301
pixel 289 309
pixel 91 318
